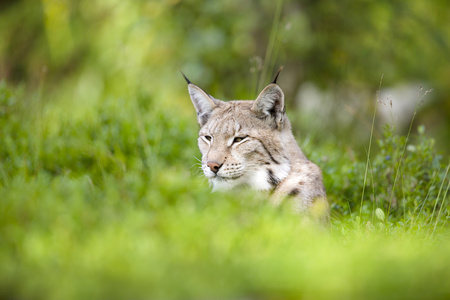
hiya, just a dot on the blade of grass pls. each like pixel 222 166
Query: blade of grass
pixel 270 47
pixel 38 128
pixel 373 193
pixel 370 147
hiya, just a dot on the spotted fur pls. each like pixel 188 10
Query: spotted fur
pixel 246 142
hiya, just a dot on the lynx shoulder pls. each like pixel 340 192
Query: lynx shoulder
pixel 250 142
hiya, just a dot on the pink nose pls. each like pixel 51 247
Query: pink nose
pixel 213 166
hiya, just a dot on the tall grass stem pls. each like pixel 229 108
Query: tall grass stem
pixel 269 58
pixel 370 147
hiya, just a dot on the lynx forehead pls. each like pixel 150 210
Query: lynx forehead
pixel 250 142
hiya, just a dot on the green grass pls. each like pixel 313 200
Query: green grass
pixel 111 205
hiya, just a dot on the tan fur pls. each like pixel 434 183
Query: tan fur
pixel 251 143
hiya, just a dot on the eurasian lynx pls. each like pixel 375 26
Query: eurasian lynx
pixel 250 143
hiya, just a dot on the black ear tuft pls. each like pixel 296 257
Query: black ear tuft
pixel 187 80
pixel 278 73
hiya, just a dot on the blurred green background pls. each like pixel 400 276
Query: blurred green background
pixel 101 195
pixel 334 53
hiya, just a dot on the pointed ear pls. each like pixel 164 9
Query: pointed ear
pixel 270 105
pixel 203 103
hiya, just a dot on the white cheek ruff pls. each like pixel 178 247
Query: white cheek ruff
pixel 259 180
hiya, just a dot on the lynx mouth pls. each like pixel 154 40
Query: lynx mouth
pixel 223 177
pixel 220 182
pixel 226 178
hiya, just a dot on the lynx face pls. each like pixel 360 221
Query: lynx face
pixel 236 150
pixel 248 142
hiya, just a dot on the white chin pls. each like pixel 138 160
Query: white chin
pixel 219 184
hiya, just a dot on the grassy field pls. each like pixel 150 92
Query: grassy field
pixel 101 192
pixel 105 200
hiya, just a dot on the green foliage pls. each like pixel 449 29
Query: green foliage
pixel 124 134
pixel 408 181
pixel 412 175
pixel 101 196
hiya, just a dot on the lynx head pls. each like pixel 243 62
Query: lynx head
pixel 242 141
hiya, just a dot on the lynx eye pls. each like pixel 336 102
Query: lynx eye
pixel 207 137
pixel 239 139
